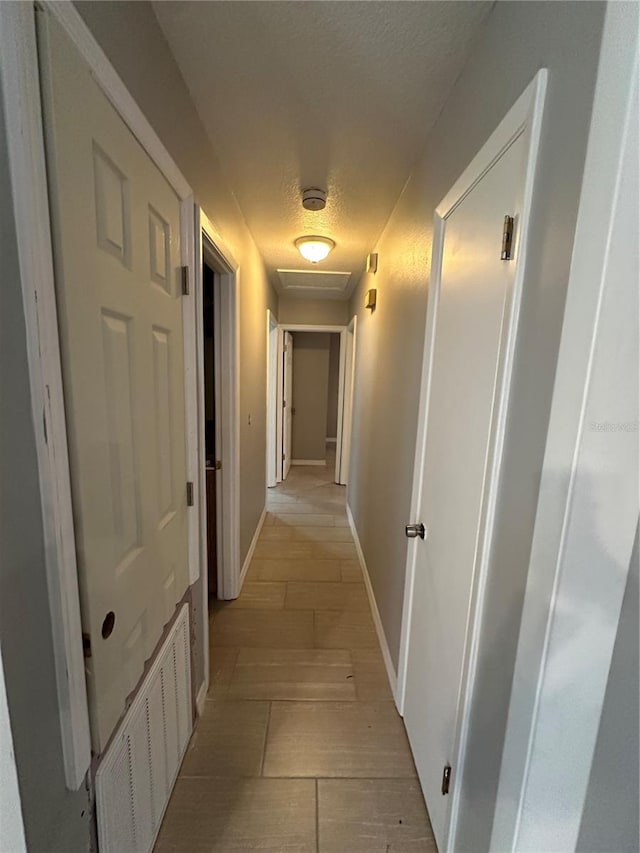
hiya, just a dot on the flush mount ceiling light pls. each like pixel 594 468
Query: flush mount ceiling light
pixel 314 249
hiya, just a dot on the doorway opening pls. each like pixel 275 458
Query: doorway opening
pixel 218 441
pixel 310 384
pixel 210 283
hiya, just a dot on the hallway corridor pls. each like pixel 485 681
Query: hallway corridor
pixel 300 747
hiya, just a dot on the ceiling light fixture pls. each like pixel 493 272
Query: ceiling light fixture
pixel 314 249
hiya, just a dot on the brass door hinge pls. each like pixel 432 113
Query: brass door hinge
pixel 507 239
pixel 184 278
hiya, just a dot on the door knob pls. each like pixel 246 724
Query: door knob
pixel 412 531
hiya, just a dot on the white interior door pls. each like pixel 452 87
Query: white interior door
pixel 287 404
pixel 116 224
pixel 472 325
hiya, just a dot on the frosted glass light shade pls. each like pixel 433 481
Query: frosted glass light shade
pixel 314 249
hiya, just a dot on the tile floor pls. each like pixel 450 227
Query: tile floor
pixel 300 748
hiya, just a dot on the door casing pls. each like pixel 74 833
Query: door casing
pixel 341 469
pixel 524 118
pixel 211 246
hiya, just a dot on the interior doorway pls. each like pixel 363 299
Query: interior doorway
pixel 216 489
pixel 309 398
pixel 210 282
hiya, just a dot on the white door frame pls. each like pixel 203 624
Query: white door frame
pixel 588 501
pixel 25 135
pixel 523 119
pixel 308 327
pixel 350 339
pixel 279 401
pixel 272 420
pixel 227 383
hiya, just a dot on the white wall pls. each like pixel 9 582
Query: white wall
pixel 610 817
pixel 334 382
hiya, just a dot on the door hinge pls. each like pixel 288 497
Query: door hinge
pixel 507 238
pixel 184 278
pixel 283 457
pixel 284 404
pixel 86 644
pixel 446 779
pixel 189 493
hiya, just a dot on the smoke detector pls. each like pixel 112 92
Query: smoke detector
pixel 314 199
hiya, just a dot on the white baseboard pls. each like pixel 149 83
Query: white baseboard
pixel 308 461
pixel 201 696
pixel 252 548
pixel 382 639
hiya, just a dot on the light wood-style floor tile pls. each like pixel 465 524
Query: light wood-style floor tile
pixel 294 570
pixel 274 629
pixel 372 816
pixel 322 534
pixel 351 571
pixel 222 661
pixel 276 534
pixel 314 674
pixel 372 681
pixel 344 630
pixel 259 596
pixel 354 739
pixel 341 550
pixel 326 596
pixel 240 816
pixel 288 550
pixel 295 520
pixel 228 740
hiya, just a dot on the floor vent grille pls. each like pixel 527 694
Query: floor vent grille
pixel 136 775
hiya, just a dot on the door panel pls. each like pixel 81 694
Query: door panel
pixel 287 403
pixel 470 330
pixel 116 224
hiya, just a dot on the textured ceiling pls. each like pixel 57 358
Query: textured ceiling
pixel 338 95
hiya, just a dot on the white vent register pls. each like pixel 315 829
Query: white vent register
pixel 136 776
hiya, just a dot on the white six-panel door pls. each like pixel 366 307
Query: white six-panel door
pixel 473 322
pixel 117 256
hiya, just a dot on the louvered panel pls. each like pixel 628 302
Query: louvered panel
pixel 136 775
pixel 116 821
pixel 141 780
pixel 161 779
pixel 183 683
pixel 170 725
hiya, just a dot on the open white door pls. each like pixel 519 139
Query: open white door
pixel 287 403
pixel 473 310
pixel 117 242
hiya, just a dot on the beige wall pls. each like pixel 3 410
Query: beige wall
pixel 334 381
pixel 310 386
pixel 517 40
pixel 322 312
pixel 131 37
